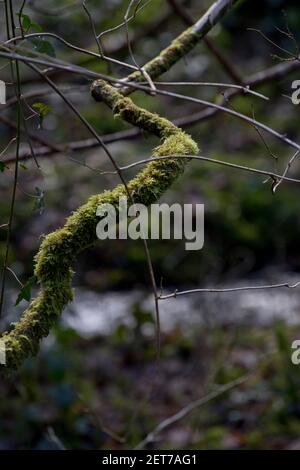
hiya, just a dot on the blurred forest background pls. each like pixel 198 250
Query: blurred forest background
pixel 94 383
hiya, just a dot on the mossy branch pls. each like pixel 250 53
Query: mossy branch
pixel 181 45
pixel 59 250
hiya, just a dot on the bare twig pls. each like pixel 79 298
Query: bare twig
pixel 273 73
pixel 287 168
pixel 177 293
pixel 244 89
pixel 89 15
pixel 100 55
pixel 274 176
pixel 153 435
pixel 292 56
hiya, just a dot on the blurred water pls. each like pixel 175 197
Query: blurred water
pixel 99 313
pixel 93 313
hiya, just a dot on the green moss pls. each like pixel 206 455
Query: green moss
pixel 128 111
pixel 59 250
pixel 168 57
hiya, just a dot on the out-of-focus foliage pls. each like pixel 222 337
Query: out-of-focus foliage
pixel 99 393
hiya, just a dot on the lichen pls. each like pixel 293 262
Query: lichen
pixel 59 250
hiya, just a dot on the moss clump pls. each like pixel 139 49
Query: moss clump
pixel 58 250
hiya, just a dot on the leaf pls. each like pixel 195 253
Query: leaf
pixel 2 167
pixel 44 47
pixel 27 24
pixel 43 110
pixel 39 204
pixel 25 292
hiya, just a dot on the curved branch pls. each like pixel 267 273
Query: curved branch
pixel 59 250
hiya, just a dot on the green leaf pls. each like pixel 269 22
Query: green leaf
pixel 25 292
pixel 43 110
pixel 44 47
pixel 2 167
pixel 39 204
pixel 27 24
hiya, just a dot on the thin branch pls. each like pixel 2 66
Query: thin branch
pixel 244 89
pixel 15 276
pixel 177 293
pixel 268 173
pixel 289 164
pixel 41 140
pixel 184 412
pixel 74 47
pixel 89 15
pixel 265 143
pixel 273 73
pixel 292 55
pixel 192 406
pixel 142 70
pixel 41 92
pixel 160 92
pixel 116 47
pixel 282 137
pixel 127 20
pixel 258 79
pixel 2 152
pixel 45 151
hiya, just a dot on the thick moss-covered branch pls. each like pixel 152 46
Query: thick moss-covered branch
pixel 59 250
